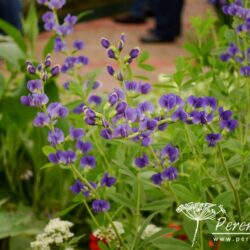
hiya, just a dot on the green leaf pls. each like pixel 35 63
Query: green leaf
pixel 14 33
pixel 147 67
pixel 84 14
pixel 143 57
pixel 120 199
pixel 224 199
pixel 48 150
pixel 48 165
pixel 158 205
pixel 171 243
pixel 180 63
pixel 68 209
pixel 192 49
pixel 183 193
pixel 48 48
pixel 103 246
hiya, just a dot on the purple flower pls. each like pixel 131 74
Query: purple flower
pixel 245 70
pixel 131 85
pixel 113 98
pixel 210 102
pixel 110 70
pixel 83 60
pixel 77 187
pixel 131 114
pixel 76 133
pixel 88 161
pixel 122 130
pixel 107 180
pixel 55 137
pixel 169 173
pixel 157 179
pixel 171 151
pixel 179 114
pixel 49 20
pixel 68 157
pixel 84 147
pixel 34 85
pixel 100 206
pixel 212 139
pixel 145 107
pixel 70 19
pixel 196 102
pixel 145 88
pixel 79 109
pixel 225 57
pixel 56 109
pixel 106 133
pixel 231 125
pixel 146 141
pixel 55 157
pixel 41 120
pixel 111 54
pixel 42 1
pixel 170 101
pixel 225 115
pixel 34 100
pixel 59 45
pixel 31 69
pixel 148 124
pixel 121 107
pixel 56 4
pixel 78 45
pixel 95 99
pixel 201 117
pixel 134 53
pixel 141 162
pixel 105 43
pixel 55 70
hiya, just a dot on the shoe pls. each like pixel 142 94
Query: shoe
pixel 130 19
pixel 153 38
pixel 153 31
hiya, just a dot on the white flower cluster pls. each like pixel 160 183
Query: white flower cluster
pixel 55 233
pixel 109 234
pixel 149 231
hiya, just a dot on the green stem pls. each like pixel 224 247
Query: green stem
pixel 115 230
pixel 229 180
pixel 91 214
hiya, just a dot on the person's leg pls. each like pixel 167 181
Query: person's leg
pixel 138 8
pixel 168 21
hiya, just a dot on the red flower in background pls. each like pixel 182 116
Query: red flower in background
pixel 214 246
pixel 93 242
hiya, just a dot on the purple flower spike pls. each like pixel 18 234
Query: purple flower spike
pixel 88 161
pixel 170 101
pixel 95 99
pixel 100 206
pixel 55 137
pixel 78 45
pixel 34 85
pixel 212 139
pixel 77 187
pixel 157 179
pixel 56 4
pixel 41 120
pixel 84 147
pixel 106 133
pixel 141 162
pixel 201 117
pixel 68 157
pixel 169 173
pixel 196 102
pixel 107 180
pixel 134 53
pixel 105 43
pixel 34 100
pixel 56 109
pixel 231 125
pixel 76 133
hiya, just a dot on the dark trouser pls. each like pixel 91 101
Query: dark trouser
pixel 168 17
pixel 139 6
pixel 10 11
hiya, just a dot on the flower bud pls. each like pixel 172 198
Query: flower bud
pixel 110 70
pixel 105 43
pixel 31 69
pixel 111 54
pixel 55 70
pixel 134 53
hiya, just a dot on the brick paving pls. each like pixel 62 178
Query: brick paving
pixel 162 55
